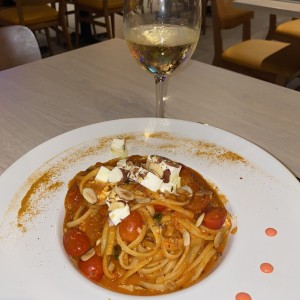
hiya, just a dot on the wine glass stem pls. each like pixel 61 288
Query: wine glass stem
pixel 159 86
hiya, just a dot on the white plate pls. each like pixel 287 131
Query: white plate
pixel 261 192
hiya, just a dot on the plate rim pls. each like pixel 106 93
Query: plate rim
pixel 287 172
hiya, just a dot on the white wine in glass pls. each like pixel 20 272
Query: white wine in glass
pixel 161 36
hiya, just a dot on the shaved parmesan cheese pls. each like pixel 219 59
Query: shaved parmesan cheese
pixel 115 175
pixel 151 182
pixel 119 214
pixel 118 144
pixel 102 174
pixel 168 187
pixel 137 174
pixel 118 147
pixel 174 173
pixel 158 165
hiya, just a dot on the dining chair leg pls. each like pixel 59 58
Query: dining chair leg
pixel 108 28
pixel 272 26
pixel 49 41
pixel 53 5
pixel 203 14
pixel 66 14
pixel 57 35
pixel 247 30
pixel 93 27
pixel 76 28
pixel 113 29
pixel 66 35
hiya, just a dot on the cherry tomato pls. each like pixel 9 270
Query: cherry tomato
pixel 92 268
pixel 129 226
pixel 159 208
pixel 215 217
pixel 76 242
pixel 199 203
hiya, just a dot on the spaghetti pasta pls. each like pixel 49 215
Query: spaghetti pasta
pixel 147 233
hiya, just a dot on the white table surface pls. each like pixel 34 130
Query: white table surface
pixel 102 82
pixel 284 8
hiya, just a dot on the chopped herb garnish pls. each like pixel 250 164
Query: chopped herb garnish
pixel 157 217
pixel 117 251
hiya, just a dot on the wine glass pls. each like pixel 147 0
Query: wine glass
pixel 161 36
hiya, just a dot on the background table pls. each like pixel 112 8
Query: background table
pixel 285 8
pixel 102 82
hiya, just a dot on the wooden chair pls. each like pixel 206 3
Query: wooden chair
pixel 18 46
pixel 96 9
pixel 38 15
pixel 273 61
pixel 69 12
pixel 286 32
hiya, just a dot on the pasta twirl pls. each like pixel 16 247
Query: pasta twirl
pixel 149 226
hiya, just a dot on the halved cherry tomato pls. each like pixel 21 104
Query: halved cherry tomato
pixel 128 228
pixel 92 268
pixel 159 208
pixel 214 217
pixel 76 242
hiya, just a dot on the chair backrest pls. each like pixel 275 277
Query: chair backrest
pixel 21 3
pixel 18 46
pixel 225 16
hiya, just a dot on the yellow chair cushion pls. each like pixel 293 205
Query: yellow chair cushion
pixel 270 56
pixel 32 15
pixel 98 4
pixel 290 28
